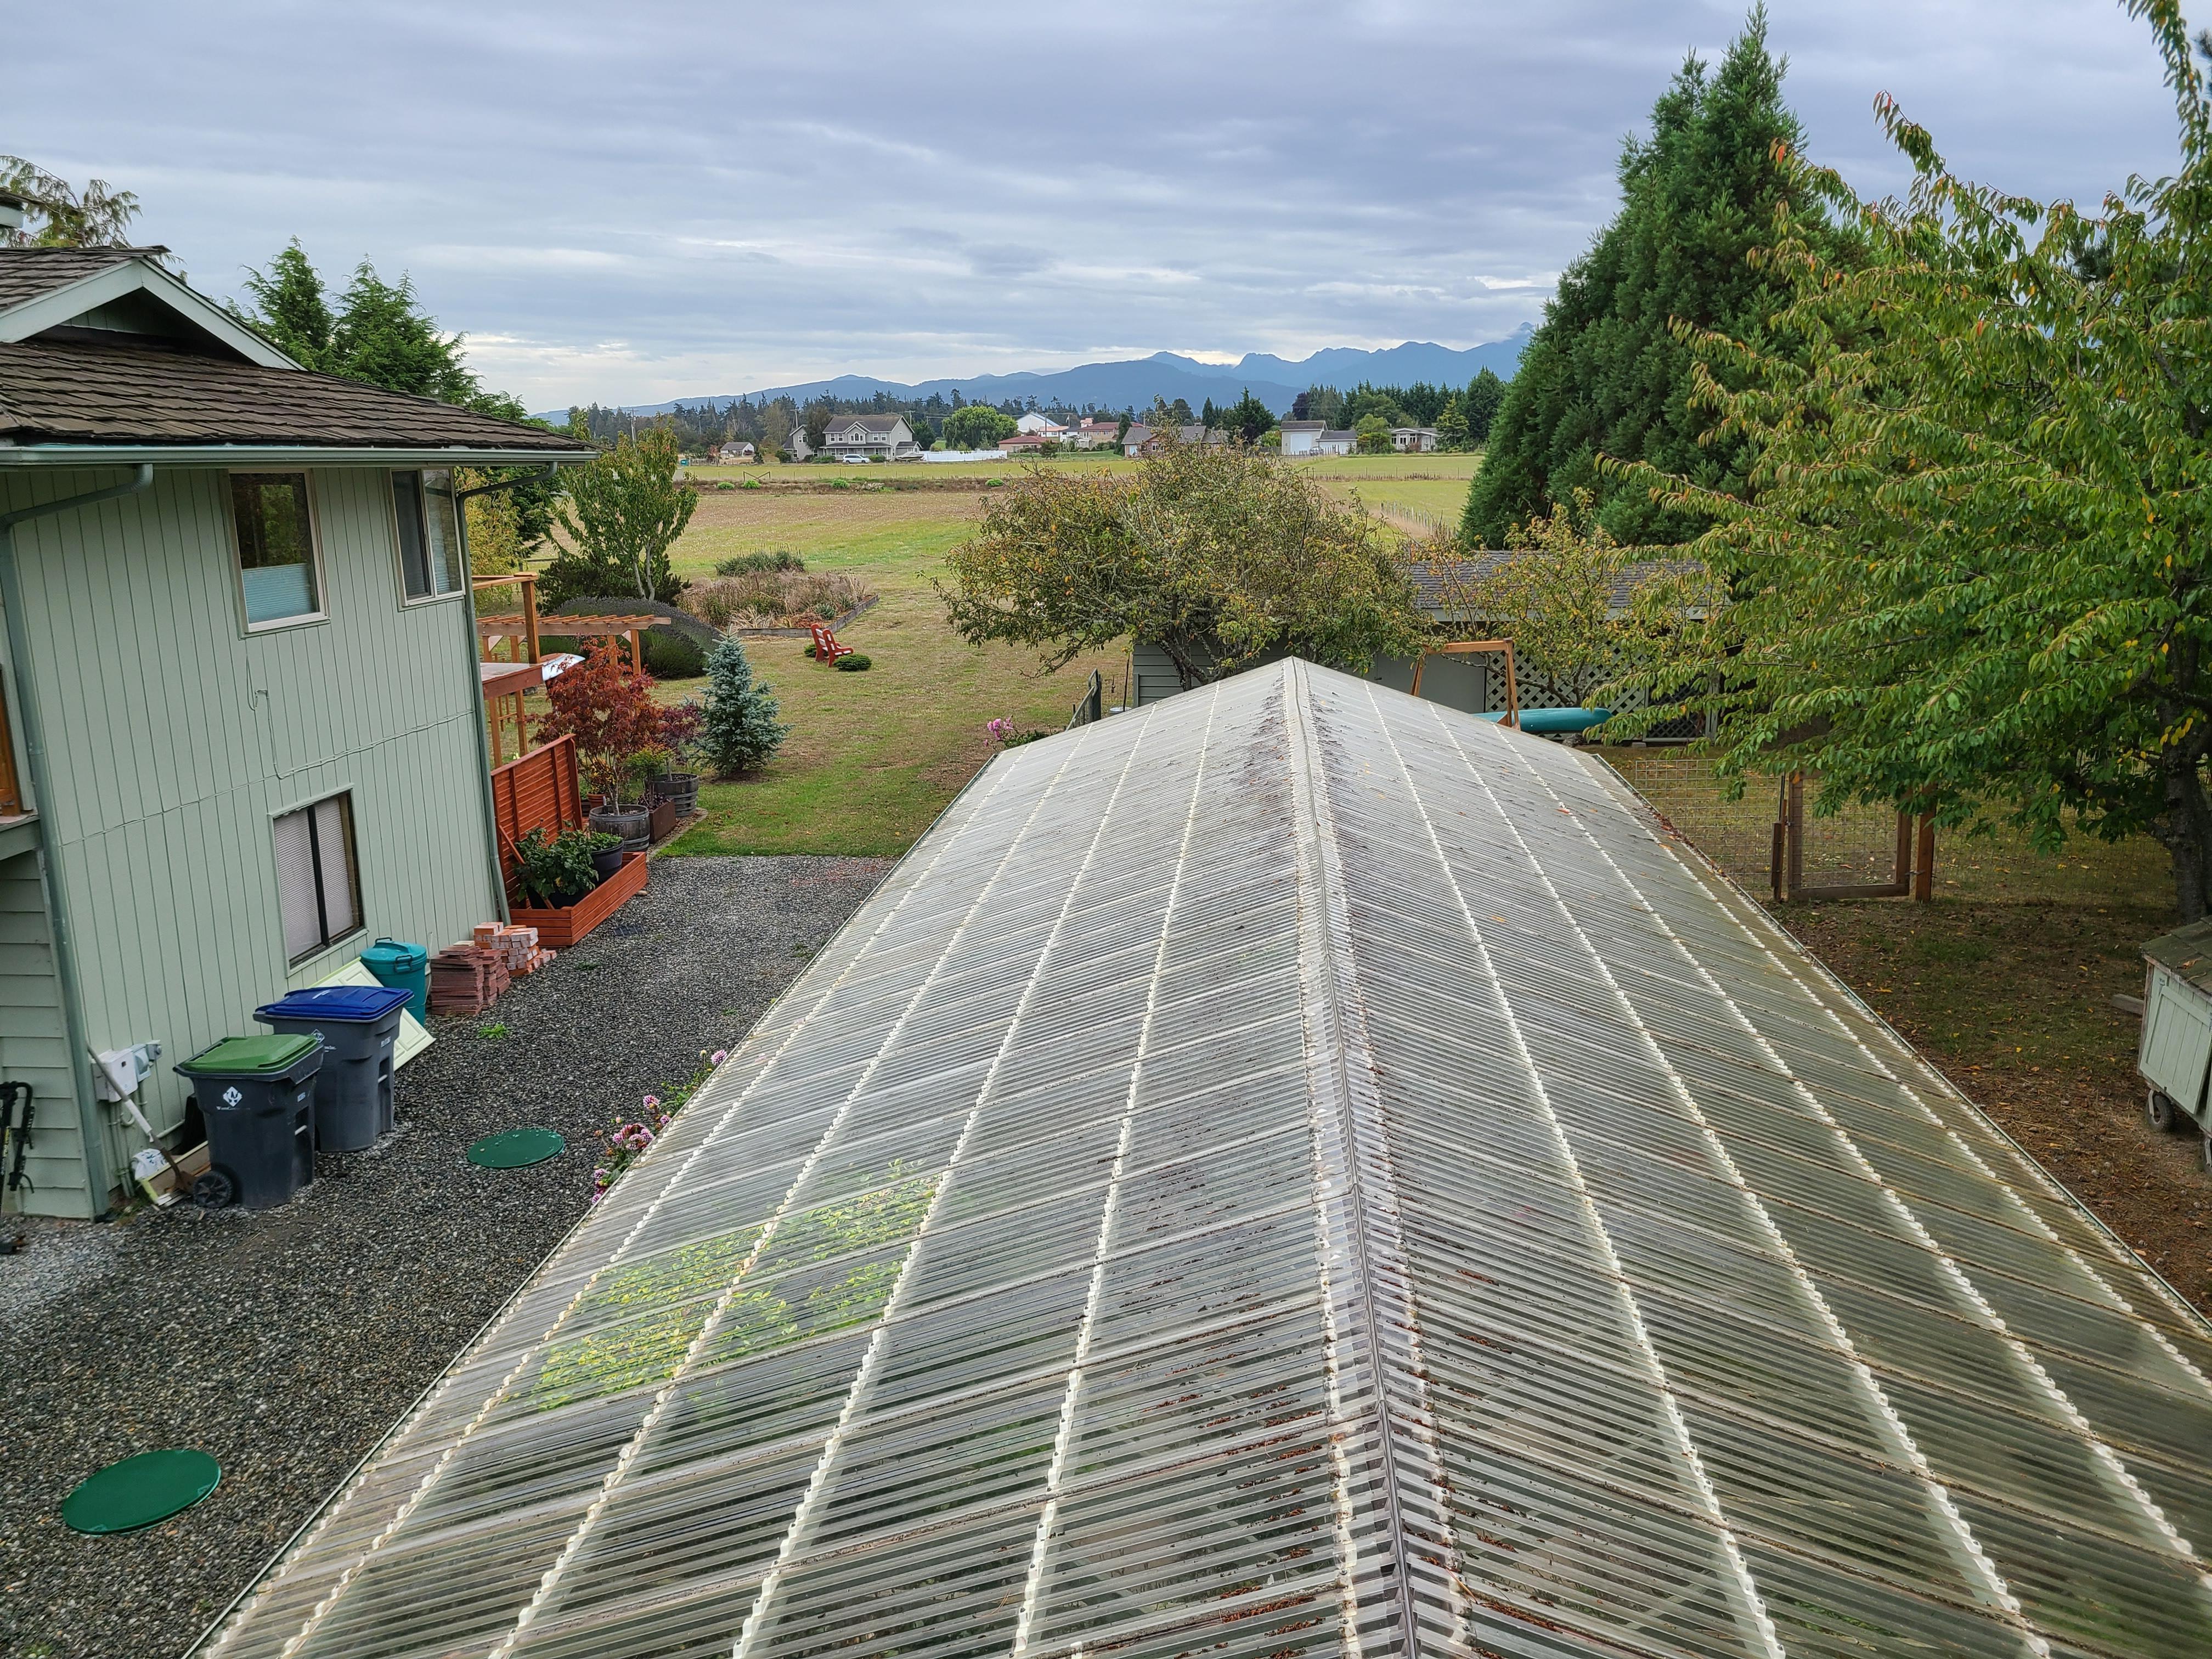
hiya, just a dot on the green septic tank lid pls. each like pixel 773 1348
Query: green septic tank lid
pixel 140 1490
pixel 515 1149
pixel 248 1055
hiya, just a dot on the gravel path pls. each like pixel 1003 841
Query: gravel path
pixel 286 1343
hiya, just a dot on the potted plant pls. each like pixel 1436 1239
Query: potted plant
pixel 606 852
pixel 677 783
pixel 607 707
pixel 554 872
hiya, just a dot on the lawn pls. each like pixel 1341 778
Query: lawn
pixel 2005 982
pixel 872 757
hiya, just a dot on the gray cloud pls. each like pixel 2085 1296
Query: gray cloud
pixel 635 203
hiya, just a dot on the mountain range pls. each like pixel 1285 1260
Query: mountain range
pixel 1135 382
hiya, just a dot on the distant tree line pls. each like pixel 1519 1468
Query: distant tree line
pixel 1461 416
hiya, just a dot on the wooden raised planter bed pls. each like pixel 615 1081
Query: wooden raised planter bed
pixel 559 929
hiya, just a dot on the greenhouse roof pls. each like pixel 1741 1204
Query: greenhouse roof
pixel 1296 1171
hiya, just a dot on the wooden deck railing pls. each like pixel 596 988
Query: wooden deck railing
pixel 11 786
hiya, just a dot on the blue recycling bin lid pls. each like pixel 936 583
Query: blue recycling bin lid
pixel 363 1005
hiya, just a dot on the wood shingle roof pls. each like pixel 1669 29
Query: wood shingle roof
pixel 81 391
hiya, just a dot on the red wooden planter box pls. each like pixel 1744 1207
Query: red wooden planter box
pixel 559 929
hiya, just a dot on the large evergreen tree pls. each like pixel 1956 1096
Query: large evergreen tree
pixel 1604 375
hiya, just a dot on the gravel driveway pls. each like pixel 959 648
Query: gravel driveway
pixel 285 1343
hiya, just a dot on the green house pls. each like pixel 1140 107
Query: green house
pixel 244 728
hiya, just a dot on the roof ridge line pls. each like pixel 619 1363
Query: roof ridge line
pixel 1353 1152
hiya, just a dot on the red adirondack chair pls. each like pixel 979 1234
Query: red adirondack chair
pixel 826 648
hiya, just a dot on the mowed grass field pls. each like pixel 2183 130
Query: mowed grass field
pixel 874 757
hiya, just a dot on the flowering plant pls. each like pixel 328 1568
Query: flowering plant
pixel 1006 734
pixel 629 1138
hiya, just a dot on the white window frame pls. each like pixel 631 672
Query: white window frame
pixel 352 854
pixel 408 601
pixel 231 553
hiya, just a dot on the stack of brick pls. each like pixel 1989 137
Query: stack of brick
pixel 467 979
pixel 517 946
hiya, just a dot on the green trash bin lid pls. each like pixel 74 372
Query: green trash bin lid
pixel 140 1490
pixel 248 1056
pixel 516 1148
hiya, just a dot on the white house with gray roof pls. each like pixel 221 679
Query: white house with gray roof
pixel 887 436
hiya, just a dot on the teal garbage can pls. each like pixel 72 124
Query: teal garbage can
pixel 399 965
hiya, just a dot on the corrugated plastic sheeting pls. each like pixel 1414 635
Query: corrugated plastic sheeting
pixel 1272 1170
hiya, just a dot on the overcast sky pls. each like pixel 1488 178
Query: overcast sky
pixel 637 201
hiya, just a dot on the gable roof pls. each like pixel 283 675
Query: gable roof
pixel 106 356
pixel 118 290
pixel 27 273
pixel 1297 1171
pixel 71 394
pixel 876 423
pixel 1305 426
pixel 1433 580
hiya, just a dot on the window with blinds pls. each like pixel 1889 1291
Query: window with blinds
pixel 429 532
pixel 275 524
pixel 318 881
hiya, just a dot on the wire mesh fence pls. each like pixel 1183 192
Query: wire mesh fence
pixel 1737 835
pixel 1770 837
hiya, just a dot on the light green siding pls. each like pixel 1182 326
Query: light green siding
pixel 175 738
pixel 34 1044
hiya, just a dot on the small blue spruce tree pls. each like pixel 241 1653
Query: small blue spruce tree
pixel 741 731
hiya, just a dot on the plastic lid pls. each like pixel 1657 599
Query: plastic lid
pixel 140 1490
pixel 346 1004
pixel 393 951
pixel 516 1148
pixel 250 1055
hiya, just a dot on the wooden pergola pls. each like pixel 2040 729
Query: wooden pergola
pixel 517 673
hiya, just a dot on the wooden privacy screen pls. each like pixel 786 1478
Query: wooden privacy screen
pixel 540 791
pixel 11 792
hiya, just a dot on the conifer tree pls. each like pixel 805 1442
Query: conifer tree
pixel 1604 374
pixel 741 731
pixel 1452 431
pixel 1484 393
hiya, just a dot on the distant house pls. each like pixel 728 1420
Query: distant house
pixel 1039 426
pixel 1335 441
pixel 871 436
pixel 735 452
pixel 1026 442
pixel 797 444
pixel 1413 439
pixel 1299 437
pixel 1134 440
pixel 1096 434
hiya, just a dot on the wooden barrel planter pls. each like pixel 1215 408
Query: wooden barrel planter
pixel 559 929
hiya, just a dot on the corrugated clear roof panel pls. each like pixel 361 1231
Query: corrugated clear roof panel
pixel 1300 1171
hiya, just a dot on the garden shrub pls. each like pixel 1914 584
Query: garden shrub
pixel 746 564
pixel 775 598
pixel 853 664
pixel 670 656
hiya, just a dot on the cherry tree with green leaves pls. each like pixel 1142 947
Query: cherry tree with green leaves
pixel 1972 560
